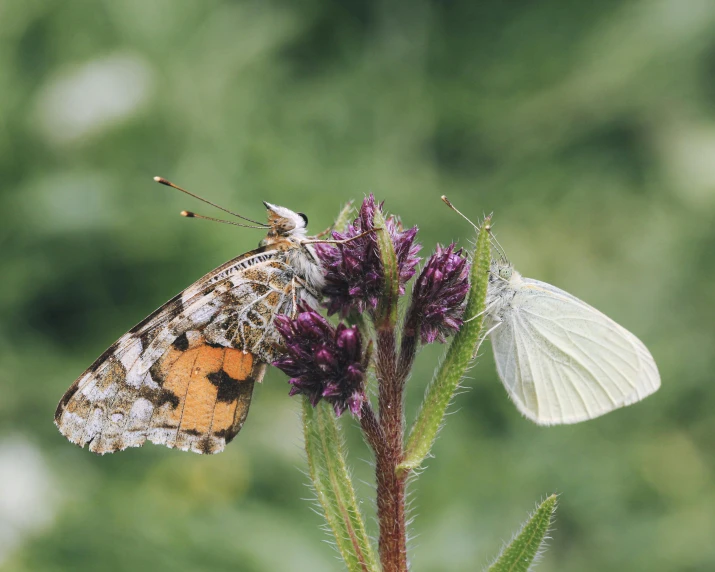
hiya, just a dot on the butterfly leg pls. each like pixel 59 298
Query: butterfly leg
pixel 294 288
pixel 296 283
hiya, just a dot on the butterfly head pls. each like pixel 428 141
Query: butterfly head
pixel 502 270
pixel 284 222
pixel 287 231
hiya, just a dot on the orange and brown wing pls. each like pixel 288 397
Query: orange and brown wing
pixel 207 391
pixel 203 400
pixel 172 379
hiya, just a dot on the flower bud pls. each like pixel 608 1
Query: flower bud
pixel 439 295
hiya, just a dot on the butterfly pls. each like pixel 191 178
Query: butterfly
pixel 184 376
pixel 560 360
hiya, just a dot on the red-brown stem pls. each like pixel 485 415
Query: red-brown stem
pixel 408 351
pixel 408 344
pixel 390 486
pixel 371 427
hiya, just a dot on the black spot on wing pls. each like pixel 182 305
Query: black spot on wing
pixel 206 446
pixel 181 343
pixel 229 434
pixel 228 388
pixel 223 434
pixel 166 396
pixel 156 373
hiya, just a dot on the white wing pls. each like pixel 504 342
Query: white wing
pixel 563 361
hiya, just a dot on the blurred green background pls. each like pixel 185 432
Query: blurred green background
pixel 589 130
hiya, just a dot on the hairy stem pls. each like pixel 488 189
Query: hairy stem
pixel 371 427
pixel 390 484
pixel 333 487
pixel 408 350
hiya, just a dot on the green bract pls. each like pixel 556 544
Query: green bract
pixel 458 357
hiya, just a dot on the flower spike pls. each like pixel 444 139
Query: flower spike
pixel 439 296
pixel 353 270
pixel 323 362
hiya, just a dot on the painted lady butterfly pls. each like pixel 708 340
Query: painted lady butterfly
pixel 184 376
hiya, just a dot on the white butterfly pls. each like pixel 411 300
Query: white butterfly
pixel 561 360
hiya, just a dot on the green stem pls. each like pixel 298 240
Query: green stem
pixel 333 487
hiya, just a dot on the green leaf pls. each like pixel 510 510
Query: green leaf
pixel 459 355
pixel 386 312
pixel 528 544
pixel 333 486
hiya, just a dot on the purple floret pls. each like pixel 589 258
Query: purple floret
pixel 323 362
pixel 439 295
pixel 354 274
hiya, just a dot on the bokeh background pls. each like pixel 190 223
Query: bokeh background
pixel 589 130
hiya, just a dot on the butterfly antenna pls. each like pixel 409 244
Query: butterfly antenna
pixel 190 214
pixel 344 241
pixel 164 181
pixel 496 245
pixel 447 202
pixel 487 220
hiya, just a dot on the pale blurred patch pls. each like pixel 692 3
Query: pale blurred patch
pixel 687 148
pixel 28 495
pixel 70 202
pixel 84 101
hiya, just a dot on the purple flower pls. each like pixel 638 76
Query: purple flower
pixel 323 362
pixel 353 271
pixel 438 299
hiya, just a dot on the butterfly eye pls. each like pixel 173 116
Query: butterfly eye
pixel 505 272
pixel 304 217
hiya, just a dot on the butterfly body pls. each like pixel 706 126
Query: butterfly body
pixel 184 376
pixel 561 360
